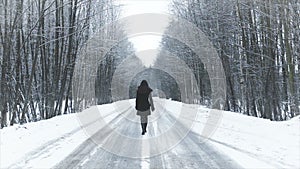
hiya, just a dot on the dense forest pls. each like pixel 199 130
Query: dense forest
pixel 54 60
pixel 40 43
pixel 258 43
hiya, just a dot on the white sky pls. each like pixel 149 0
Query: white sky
pixel 144 41
pixel 132 7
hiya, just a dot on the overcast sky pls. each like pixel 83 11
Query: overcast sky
pixel 131 7
pixel 144 41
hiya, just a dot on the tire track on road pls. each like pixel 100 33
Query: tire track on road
pixel 81 153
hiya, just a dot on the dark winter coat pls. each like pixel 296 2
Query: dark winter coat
pixel 142 98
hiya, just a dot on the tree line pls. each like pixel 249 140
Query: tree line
pixel 50 66
pixel 40 44
pixel 258 43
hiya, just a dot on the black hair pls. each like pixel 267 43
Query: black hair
pixel 144 83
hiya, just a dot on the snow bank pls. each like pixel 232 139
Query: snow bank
pixel 18 140
pixel 45 143
pixel 252 142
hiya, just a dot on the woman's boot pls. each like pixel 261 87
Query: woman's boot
pixel 143 128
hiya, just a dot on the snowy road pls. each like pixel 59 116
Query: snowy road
pixel 190 152
pixel 109 136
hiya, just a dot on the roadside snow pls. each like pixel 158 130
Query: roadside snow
pixel 252 142
pixel 19 140
pixel 45 143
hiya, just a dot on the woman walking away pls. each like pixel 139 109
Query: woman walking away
pixel 143 103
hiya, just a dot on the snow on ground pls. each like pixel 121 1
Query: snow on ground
pixel 47 141
pixel 252 142
pixel 19 140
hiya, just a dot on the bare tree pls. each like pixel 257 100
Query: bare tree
pixel 257 43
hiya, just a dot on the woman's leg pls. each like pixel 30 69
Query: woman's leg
pixel 143 120
pixel 146 122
